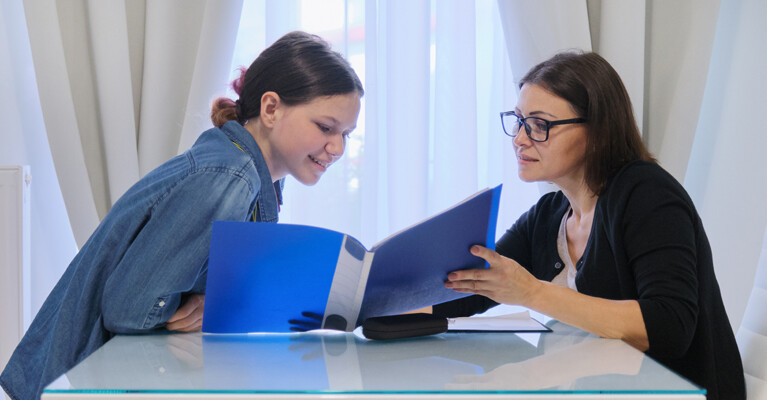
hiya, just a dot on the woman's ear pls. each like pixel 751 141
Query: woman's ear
pixel 270 105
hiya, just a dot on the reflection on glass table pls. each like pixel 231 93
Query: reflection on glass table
pixel 567 360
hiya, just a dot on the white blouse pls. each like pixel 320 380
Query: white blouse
pixel 567 276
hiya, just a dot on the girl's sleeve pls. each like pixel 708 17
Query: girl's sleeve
pixel 170 252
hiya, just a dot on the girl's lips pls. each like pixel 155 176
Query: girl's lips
pixel 323 164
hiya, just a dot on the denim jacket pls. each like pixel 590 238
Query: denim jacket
pixel 147 254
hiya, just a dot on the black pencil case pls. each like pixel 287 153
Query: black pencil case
pixel 403 326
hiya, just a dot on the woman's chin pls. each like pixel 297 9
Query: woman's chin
pixel 526 178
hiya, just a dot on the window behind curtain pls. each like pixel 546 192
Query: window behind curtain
pixel 336 202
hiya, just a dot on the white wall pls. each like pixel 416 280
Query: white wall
pixel 23 141
pixel 727 174
pixel 14 257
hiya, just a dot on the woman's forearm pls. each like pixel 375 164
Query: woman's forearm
pixel 617 319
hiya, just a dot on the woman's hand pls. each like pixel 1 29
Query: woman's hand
pixel 505 281
pixel 508 282
pixel 188 317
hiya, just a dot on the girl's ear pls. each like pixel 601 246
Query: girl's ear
pixel 270 104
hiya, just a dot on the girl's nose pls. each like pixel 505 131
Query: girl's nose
pixel 335 146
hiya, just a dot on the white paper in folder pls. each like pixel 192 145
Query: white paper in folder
pixel 516 322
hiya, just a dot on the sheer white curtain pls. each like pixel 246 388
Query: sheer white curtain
pixel 678 53
pixel 536 30
pixel 124 85
pixel 436 76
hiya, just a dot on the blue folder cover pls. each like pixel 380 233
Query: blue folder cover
pixel 284 277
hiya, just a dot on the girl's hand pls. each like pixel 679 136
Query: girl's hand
pixel 188 317
pixel 505 281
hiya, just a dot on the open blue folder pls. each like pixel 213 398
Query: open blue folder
pixel 283 277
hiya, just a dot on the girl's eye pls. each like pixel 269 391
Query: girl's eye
pixel 323 128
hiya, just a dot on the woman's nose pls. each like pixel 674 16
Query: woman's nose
pixel 522 139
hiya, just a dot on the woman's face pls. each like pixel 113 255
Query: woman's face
pixel 560 159
pixel 306 139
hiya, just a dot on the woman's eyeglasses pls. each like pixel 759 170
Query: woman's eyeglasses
pixel 537 128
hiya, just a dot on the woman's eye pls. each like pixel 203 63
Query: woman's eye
pixel 323 128
pixel 539 126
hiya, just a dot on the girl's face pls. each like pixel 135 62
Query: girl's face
pixel 562 158
pixel 306 139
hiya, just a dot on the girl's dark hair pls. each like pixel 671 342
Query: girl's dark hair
pixel 595 92
pixel 299 67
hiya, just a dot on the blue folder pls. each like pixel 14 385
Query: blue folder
pixel 283 277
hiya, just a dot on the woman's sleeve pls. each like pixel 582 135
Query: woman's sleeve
pixel 659 228
pixel 517 242
pixel 170 252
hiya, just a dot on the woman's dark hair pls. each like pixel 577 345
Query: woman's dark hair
pixel 596 93
pixel 299 67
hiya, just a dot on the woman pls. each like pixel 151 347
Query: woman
pixel 144 268
pixel 620 250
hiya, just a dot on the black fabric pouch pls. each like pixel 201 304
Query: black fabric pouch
pixel 403 326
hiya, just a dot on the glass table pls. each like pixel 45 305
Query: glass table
pixel 564 363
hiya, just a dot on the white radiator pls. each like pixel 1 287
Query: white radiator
pixel 14 257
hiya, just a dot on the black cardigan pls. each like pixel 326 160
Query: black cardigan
pixel 647 243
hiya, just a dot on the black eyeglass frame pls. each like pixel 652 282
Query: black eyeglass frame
pixel 529 130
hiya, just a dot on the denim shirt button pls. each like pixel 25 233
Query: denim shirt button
pixel 161 304
pixel 558 265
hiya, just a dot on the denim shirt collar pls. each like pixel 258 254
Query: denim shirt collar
pixel 270 195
